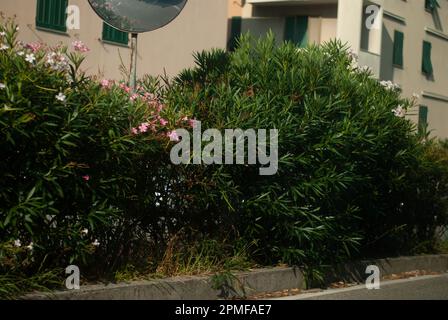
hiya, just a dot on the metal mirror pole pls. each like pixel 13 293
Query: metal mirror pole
pixel 133 74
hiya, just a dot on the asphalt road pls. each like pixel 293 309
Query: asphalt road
pixel 419 288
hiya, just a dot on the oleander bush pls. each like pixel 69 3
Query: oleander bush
pixel 83 162
pixel 354 178
pixel 86 176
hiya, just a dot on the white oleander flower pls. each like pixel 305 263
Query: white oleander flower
pixel 399 112
pixel 30 58
pixel 96 243
pixel 389 85
pixel 365 69
pixel 353 55
pixel 17 243
pixel 61 97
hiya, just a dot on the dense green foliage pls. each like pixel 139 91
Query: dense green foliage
pixel 353 175
pixel 86 178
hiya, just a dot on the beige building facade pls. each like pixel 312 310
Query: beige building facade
pixel 201 25
pixel 407 43
pixel 403 41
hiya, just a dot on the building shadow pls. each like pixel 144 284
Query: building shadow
pixel 387 53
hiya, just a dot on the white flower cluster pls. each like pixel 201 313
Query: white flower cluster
pixel 18 244
pixel 366 69
pixel 399 111
pixel 353 56
pixel 3 46
pixel 389 85
pixel 56 61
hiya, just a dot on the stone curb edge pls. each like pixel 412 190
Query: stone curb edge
pixel 251 282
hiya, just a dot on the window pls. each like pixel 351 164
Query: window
pixel 422 118
pixel 296 30
pixel 426 60
pixel 431 5
pixel 235 32
pixel 110 34
pixel 398 48
pixel 51 14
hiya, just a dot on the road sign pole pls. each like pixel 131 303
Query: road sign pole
pixel 133 73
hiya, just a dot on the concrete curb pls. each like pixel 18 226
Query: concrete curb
pixel 355 271
pixel 251 283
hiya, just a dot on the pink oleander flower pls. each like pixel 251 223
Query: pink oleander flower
pixel 163 122
pixel 86 178
pixel 133 97
pixel 150 97
pixel 143 127
pixel 173 136
pixel 105 83
pixel 125 87
pixel 192 123
pixel 34 46
pixel 134 131
pixel 80 46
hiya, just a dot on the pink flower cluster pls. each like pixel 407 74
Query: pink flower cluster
pixel 173 136
pixel 191 122
pixel 156 107
pixel 106 84
pixel 146 126
pixel 80 46
pixel 125 88
pixel 34 46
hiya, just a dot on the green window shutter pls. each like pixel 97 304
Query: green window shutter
pixel 426 59
pixel 51 14
pixel 296 30
pixel 290 26
pixel 302 31
pixel 235 32
pixel 398 48
pixel 432 4
pixel 422 118
pixel 110 34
